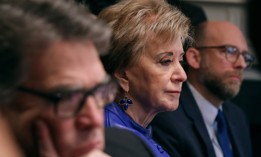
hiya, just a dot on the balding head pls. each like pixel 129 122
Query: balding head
pixel 212 33
pixel 217 61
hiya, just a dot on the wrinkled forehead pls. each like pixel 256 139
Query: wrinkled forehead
pixel 75 63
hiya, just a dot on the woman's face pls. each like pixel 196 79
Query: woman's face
pixel 155 81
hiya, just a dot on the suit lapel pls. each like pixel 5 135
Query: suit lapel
pixel 192 111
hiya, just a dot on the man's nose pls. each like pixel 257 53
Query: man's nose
pixel 90 115
pixel 241 63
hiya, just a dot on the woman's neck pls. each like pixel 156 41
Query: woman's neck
pixel 140 115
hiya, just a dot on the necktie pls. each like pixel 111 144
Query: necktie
pixel 222 134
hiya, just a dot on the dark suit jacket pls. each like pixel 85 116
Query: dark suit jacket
pixel 184 130
pixel 123 143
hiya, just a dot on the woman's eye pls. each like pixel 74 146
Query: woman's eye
pixel 183 63
pixel 165 62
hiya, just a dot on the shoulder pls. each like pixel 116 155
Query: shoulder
pixel 235 114
pixel 112 110
pixel 232 108
pixel 114 116
pixel 121 142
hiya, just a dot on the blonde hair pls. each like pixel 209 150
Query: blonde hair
pixel 136 23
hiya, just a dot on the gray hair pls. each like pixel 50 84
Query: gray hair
pixel 31 26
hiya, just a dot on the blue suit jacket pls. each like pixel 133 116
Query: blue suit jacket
pixel 184 130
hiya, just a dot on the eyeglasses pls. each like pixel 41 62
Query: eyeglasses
pixel 232 53
pixel 68 104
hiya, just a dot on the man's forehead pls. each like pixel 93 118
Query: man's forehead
pixel 67 63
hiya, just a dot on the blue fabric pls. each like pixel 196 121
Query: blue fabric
pixel 116 117
pixel 223 135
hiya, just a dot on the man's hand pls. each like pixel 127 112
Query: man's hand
pixel 47 148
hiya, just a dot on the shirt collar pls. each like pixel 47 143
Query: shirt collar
pixel 207 109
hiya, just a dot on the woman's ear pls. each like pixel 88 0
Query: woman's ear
pixel 193 58
pixel 122 79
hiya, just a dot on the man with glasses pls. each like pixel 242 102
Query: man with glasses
pixel 206 124
pixel 53 87
pixel 53 84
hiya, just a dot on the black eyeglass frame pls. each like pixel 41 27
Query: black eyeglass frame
pixel 246 55
pixel 55 98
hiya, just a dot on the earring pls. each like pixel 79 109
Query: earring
pixel 125 102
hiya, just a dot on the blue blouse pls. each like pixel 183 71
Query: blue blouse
pixel 116 117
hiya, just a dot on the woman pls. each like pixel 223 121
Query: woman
pixel 145 58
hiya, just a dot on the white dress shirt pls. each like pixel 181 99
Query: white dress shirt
pixel 209 113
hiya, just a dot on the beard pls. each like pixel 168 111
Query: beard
pixel 222 90
pixel 218 85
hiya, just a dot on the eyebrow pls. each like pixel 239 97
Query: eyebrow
pixel 170 54
pixel 165 53
pixel 69 87
pixel 182 54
